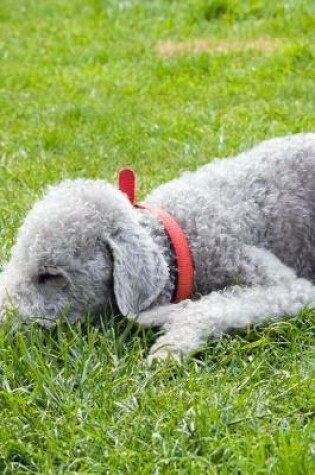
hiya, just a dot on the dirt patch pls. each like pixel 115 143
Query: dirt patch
pixel 171 48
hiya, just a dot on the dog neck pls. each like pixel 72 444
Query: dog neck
pixel 156 230
pixel 174 245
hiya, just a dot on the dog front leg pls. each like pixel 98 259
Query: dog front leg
pixel 273 291
pixel 189 327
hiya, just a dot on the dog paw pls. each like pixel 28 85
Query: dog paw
pixel 163 356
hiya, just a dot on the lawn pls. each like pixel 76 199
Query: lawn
pixel 85 88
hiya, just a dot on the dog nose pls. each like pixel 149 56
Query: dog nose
pixel 7 300
pixel 3 305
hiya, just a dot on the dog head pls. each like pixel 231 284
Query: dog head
pixel 80 249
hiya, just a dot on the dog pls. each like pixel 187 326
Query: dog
pixel 249 222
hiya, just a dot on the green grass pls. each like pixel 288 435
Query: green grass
pixel 83 92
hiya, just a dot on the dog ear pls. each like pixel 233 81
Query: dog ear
pixel 140 271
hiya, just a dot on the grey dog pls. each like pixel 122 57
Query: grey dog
pixel 250 223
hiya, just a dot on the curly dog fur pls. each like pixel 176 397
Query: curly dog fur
pixel 250 222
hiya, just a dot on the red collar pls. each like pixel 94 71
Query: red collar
pixel 184 260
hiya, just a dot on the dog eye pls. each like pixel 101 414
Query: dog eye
pixel 46 276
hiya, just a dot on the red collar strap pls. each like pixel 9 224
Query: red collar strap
pixel 184 260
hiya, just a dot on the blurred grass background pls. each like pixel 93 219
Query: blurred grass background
pixel 85 89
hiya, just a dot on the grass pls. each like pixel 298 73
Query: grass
pixel 85 88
